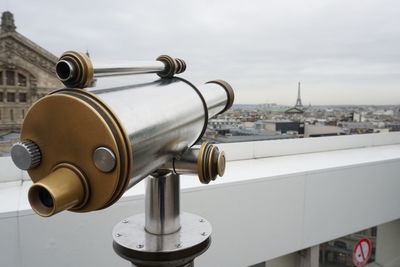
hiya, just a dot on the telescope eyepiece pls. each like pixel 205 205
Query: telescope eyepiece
pixel 74 69
pixel 45 197
pixel 41 200
pixel 65 70
pixel 62 189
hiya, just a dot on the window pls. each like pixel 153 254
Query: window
pixel 22 97
pixel 339 252
pixel 1 97
pixel 1 77
pixel 23 113
pixel 10 77
pixel 21 80
pixel 10 97
pixel 11 114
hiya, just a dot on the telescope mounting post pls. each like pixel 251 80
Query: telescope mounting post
pixel 162 237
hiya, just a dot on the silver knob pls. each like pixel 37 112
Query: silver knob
pixel 26 155
pixel 104 159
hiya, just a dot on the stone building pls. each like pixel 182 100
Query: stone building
pixel 26 74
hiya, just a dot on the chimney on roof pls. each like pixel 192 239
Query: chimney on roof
pixel 7 22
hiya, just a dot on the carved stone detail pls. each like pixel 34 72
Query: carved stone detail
pixel 19 54
pixel 24 52
pixel 7 22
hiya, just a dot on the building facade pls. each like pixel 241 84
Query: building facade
pixel 26 74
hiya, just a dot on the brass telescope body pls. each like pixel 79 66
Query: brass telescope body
pixel 95 144
pixel 68 125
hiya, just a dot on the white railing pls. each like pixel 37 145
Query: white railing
pixel 260 149
pixel 284 147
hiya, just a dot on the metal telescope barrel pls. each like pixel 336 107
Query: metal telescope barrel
pixel 75 69
pixel 137 67
pixel 84 148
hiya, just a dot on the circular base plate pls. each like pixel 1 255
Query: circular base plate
pixel 134 243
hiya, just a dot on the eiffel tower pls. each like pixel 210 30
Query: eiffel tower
pixel 298 101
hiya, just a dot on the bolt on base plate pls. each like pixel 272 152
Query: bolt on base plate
pixel 132 242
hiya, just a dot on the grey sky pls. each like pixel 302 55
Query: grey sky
pixel 343 52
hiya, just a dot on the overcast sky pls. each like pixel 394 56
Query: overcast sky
pixel 343 52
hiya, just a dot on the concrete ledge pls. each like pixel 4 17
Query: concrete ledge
pixel 261 209
pixel 260 149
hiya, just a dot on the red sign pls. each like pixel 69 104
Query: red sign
pixel 362 252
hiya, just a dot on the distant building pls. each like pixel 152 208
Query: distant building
pixel 26 74
pixel 222 123
pixel 358 117
pixel 294 110
pixel 357 127
pixel 319 130
pixel 284 126
pixel 299 104
pixel 246 138
pixel 298 107
pixel 393 126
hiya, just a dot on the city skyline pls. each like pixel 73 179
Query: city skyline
pixel 342 52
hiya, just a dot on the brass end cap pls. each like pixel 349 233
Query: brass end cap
pixel 181 65
pixel 75 69
pixel 172 66
pixel 221 163
pixel 67 122
pixel 229 91
pixel 210 163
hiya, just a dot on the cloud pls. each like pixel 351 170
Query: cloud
pixel 342 51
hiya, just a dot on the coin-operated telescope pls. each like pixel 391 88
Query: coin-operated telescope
pixel 83 148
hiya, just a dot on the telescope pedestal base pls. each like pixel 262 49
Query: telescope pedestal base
pixel 133 243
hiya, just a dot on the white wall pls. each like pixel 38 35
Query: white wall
pixel 290 260
pixel 262 209
pixel 388 244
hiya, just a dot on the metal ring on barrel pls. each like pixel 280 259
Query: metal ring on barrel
pixel 75 69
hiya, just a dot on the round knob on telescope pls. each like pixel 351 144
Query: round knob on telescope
pixel 210 163
pixel 172 66
pixel 221 163
pixel 26 155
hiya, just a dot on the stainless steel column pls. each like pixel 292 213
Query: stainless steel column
pixel 162 237
pixel 162 204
